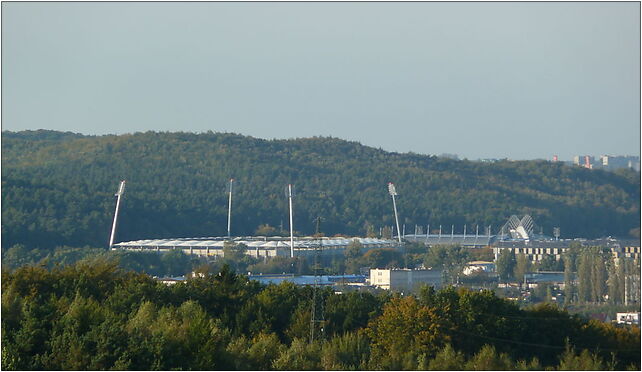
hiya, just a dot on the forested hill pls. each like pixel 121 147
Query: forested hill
pixel 58 188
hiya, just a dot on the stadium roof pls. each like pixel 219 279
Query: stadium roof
pixel 254 242
pixel 456 239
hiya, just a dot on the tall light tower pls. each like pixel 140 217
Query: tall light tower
pixel 291 224
pixel 119 194
pixel 229 211
pixel 393 193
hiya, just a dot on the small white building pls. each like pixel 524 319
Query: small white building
pixel 171 280
pixel 479 266
pixel 628 318
pixel 404 279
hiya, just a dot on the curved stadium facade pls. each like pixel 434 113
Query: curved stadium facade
pixel 257 246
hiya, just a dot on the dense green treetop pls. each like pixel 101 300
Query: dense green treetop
pixel 57 188
pixel 94 316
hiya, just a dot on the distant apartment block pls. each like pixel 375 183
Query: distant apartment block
pixel 538 249
pixel 404 279
pixel 605 162
pixel 609 162
pixel 585 161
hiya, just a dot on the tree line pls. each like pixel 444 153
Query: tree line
pixel 591 273
pixel 93 316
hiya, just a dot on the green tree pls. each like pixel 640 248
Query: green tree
pixel 256 354
pixel 585 276
pixel 300 356
pixel 353 257
pixel 615 281
pixel 370 230
pixel 569 287
pixel 350 351
pixel 451 259
pixel 265 230
pixel 404 327
pixel 350 311
pixel 585 361
pixel 175 262
pixel 522 266
pixel 506 264
pixel 447 359
pixel 382 258
pixel 386 232
pixel 274 308
pixel 598 277
pixel 549 263
pixel 487 359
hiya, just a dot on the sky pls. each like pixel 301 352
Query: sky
pixel 481 80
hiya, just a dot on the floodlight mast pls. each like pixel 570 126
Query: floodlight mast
pixel 393 193
pixel 229 212
pixel 119 194
pixel 291 225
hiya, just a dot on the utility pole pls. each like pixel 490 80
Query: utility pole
pixel 118 195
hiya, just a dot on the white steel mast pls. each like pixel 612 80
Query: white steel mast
pixel 393 193
pixel 229 212
pixel 119 194
pixel 291 225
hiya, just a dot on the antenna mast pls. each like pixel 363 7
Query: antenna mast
pixel 229 212
pixel 317 319
pixel 119 194
pixel 393 193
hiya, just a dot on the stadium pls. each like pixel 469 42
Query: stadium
pixel 257 246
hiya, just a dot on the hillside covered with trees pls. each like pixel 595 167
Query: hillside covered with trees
pixel 57 188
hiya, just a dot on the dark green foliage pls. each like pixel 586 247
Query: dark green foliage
pixel 172 263
pixel 383 258
pixel 549 263
pixel 300 356
pixel 92 315
pixel 585 361
pixel 350 311
pixel 447 359
pixel 347 352
pixel 278 265
pixel 506 263
pixel 451 259
pixel 487 359
pixel 255 354
pixel 57 188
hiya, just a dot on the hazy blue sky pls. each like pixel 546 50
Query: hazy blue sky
pixel 517 80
